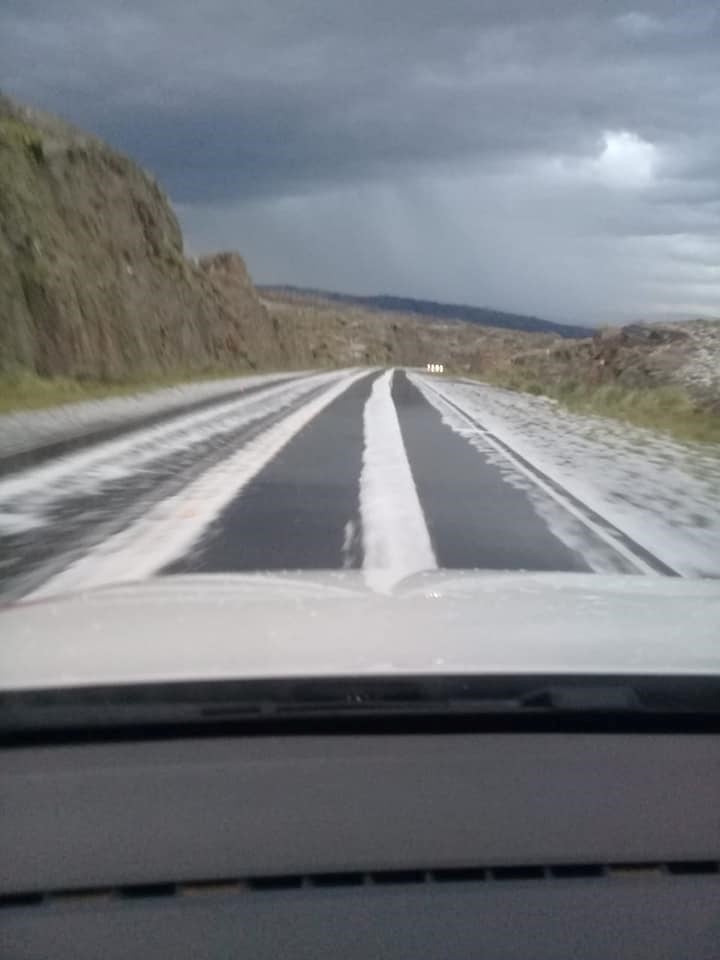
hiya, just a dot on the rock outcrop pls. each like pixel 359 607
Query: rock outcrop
pixel 93 279
pixel 637 356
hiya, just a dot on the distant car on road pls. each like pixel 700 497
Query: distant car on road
pixel 435 367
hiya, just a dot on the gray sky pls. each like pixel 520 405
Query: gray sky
pixel 557 157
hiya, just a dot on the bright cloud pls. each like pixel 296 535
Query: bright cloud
pixel 626 160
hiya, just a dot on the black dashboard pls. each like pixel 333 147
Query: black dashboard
pixel 426 843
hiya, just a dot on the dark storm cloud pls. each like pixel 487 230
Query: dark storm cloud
pixel 236 106
pixel 229 100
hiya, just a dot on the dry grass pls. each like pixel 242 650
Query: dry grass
pixel 26 391
pixel 668 409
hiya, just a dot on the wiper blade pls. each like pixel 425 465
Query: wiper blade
pixel 581 698
pixel 287 703
pixel 542 700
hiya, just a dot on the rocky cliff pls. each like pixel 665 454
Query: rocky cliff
pixel 93 279
pixel 638 356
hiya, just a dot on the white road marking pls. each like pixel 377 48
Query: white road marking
pixel 25 430
pixel 174 525
pixel 11 523
pixel 395 537
pixel 348 538
pixel 27 496
pixel 438 400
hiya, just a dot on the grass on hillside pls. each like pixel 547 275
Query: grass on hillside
pixel 667 409
pixel 26 391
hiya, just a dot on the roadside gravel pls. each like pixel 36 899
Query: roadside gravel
pixel 30 430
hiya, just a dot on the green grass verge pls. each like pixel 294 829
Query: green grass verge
pixel 26 391
pixel 667 409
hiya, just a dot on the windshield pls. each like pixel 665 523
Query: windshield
pixel 344 339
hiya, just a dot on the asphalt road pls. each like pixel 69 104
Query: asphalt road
pixel 349 469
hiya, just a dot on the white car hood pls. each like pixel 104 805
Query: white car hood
pixel 330 624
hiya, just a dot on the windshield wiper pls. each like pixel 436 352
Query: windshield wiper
pixel 287 704
pixel 582 698
pixel 362 701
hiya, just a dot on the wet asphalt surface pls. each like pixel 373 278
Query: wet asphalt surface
pixel 475 518
pixel 302 509
pixel 74 524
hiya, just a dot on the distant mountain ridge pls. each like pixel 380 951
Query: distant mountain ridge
pixel 445 311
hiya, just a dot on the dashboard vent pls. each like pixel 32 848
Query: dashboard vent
pixel 530 873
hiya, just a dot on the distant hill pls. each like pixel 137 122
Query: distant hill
pixel 446 311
